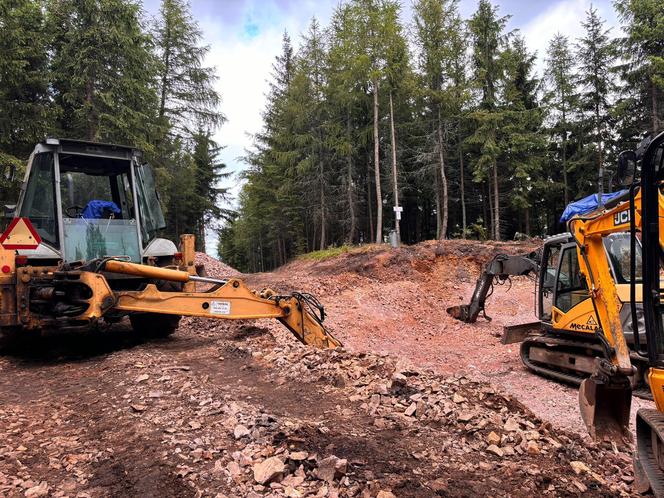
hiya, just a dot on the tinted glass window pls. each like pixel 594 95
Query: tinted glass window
pixel 617 247
pixel 152 217
pixel 572 288
pixel 39 199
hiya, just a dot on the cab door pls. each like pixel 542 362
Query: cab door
pixel 572 309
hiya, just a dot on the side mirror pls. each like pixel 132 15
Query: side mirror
pixel 8 172
pixel 626 168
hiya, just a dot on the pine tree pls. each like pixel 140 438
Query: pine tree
pixel 440 38
pixel 642 49
pixel 103 71
pixel 26 112
pixel 208 195
pixel 486 29
pixel 521 136
pixel 187 96
pixel 562 100
pixel 596 56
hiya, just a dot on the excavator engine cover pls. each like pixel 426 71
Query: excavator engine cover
pixel 605 406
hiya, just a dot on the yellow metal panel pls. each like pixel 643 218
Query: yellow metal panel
pixel 580 319
pixel 656 381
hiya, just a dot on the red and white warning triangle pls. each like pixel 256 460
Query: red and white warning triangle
pixel 20 235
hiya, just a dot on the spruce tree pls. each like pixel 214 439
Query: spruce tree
pixel 487 33
pixel 187 97
pixel 103 71
pixel 596 56
pixel 642 49
pixel 26 111
pixel 562 100
pixel 440 38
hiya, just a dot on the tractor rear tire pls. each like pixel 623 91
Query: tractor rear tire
pixel 154 325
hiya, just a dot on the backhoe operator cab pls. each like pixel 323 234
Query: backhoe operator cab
pixel 89 200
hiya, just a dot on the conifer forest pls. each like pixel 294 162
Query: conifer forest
pixel 448 123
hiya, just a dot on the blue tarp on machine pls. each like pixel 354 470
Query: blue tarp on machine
pixel 95 209
pixel 587 205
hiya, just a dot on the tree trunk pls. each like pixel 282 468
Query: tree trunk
pixel 91 118
pixel 463 193
pixel 655 117
pixel 395 184
pixel 496 203
pixel 443 176
pixel 491 220
pixel 379 195
pixel 323 228
pixel 369 201
pixel 564 157
pixel 349 172
pixel 600 159
pixel 439 219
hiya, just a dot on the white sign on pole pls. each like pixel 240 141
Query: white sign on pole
pixel 397 209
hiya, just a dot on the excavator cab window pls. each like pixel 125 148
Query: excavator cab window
pixel 98 214
pixel 550 259
pixel 571 287
pixel 39 199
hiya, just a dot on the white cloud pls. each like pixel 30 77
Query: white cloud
pixel 243 61
pixel 563 17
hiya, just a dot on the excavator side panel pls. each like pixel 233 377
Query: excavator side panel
pixel 656 382
pixel 580 319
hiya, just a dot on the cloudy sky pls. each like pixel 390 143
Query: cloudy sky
pixel 245 36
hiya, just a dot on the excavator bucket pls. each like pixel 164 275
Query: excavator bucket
pixel 605 408
pixel 461 312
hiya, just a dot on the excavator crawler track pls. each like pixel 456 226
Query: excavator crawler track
pixel 650 449
pixel 569 361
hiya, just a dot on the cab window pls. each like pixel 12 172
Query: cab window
pixel 39 199
pixel 548 281
pixel 617 247
pixel 571 286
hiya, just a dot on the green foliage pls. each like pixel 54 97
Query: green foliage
pixel 324 254
pixel 26 111
pixel 103 71
pixel 477 134
pixel 95 70
pixel 529 144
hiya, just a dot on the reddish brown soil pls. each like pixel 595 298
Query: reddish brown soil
pixel 113 415
pixel 395 301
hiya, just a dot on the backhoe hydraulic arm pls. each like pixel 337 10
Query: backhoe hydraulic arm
pixel 501 267
pixel 228 299
pixel 77 296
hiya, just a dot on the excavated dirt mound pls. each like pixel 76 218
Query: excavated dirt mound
pixel 232 409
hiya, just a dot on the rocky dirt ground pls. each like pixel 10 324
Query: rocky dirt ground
pixel 416 404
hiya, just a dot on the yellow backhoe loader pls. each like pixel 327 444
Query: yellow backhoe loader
pixel 84 250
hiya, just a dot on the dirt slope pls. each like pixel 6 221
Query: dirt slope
pixel 237 409
pixel 394 301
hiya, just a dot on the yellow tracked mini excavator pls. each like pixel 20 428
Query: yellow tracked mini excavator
pixel 83 251
pixel 563 343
